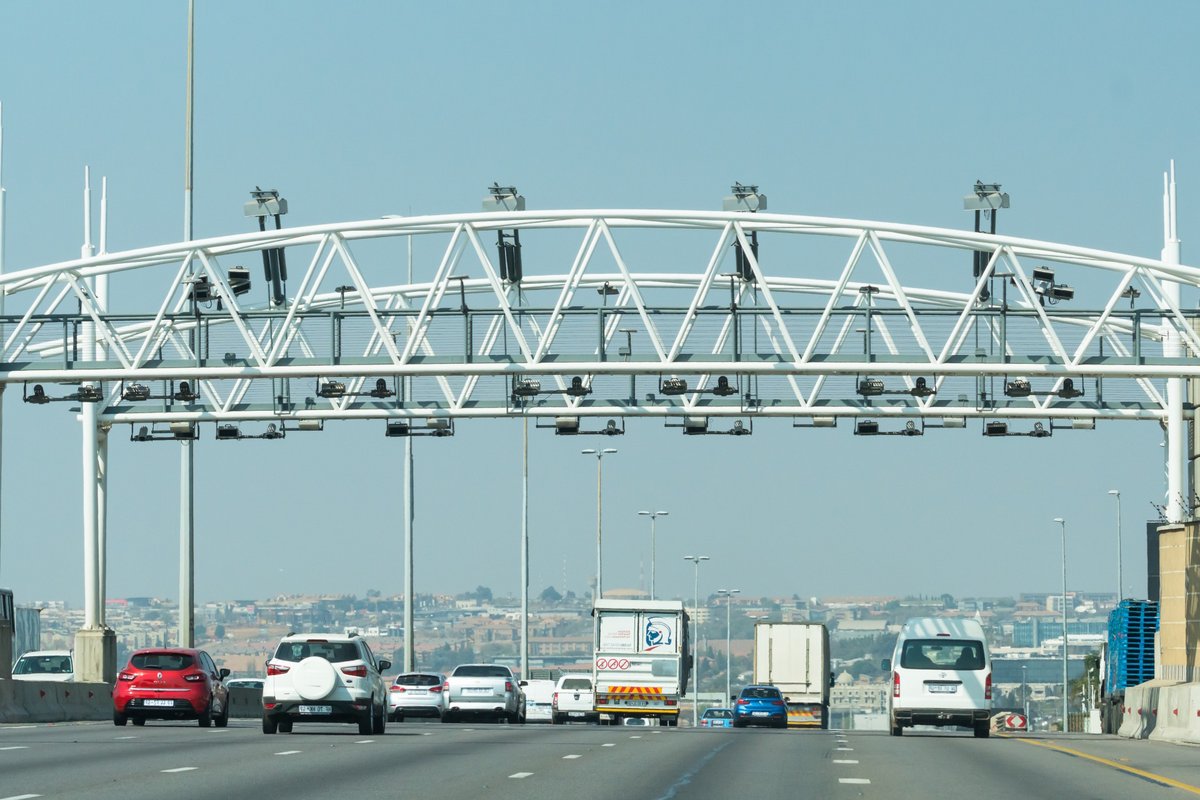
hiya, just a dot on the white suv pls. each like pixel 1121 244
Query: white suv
pixel 324 677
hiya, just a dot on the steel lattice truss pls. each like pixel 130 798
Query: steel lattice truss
pixel 831 318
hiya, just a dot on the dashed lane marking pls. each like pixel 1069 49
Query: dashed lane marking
pixel 635 737
pixel 520 775
pixel 20 796
pixel 15 747
pixel 844 749
pixel 365 741
pixel 180 769
pixel 854 780
pixel 288 753
pixel 1141 773
pixel 845 761
pixel 19 728
pixel 608 744
pixel 573 755
pixel 122 738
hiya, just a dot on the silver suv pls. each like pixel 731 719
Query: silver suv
pixel 324 677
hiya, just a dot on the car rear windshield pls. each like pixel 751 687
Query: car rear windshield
pixel 481 671
pixel 167 661
pixel 718 713
pixel 330 651
pixel 418 680
pixel 43 665
pixel 764 692
pixel 942 654
pixel 577 683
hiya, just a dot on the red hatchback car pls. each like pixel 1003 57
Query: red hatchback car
pixel 171 683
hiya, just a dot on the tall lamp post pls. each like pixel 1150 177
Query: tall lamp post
pixel 1120 581
pixel 599 454
pixel 1063 524
pixel 653 515
pixel 728 595
pixel 696 639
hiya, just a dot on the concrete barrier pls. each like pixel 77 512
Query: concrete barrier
pixel 43 701
pixel 1174 709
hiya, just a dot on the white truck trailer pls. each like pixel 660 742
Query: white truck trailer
pixel 642 659
pixel 794 657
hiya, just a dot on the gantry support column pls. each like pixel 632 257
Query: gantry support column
pixel 1177 504
pixel 95 645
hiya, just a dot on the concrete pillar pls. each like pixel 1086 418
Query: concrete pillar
pixel 1179 603
pixel 8 616
pixel 95 655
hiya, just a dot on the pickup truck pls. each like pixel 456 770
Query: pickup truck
pixel 484 690
pixel 573 699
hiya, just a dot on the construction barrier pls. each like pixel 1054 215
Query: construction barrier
pixel 45 701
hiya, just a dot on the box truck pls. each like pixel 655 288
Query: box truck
pixel 794 657
pixel 642 660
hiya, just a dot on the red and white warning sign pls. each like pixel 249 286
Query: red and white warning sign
pixel 1015 722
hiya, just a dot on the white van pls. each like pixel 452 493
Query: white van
pixel 941 675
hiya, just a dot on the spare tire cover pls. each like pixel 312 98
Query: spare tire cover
pixel 314 678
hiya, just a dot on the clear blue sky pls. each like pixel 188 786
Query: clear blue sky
pixel 883 111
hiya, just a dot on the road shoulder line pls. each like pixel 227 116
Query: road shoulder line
pixel 1141 773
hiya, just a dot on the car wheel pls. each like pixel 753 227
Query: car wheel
pixel 366 723
pixel 269 724
pixel 897 730
pixel 379 723
pixel 119 719
pixel 205 719
pixel 983 730
pixel 737 723
pixel 223 720
pixel 555 719
pixel 139 721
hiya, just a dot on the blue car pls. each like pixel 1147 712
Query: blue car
pixel 760 705
pixel 717 718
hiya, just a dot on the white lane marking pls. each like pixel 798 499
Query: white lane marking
pixel 854 780
pixel 21 796
pixel 844 749
pixel 845 761
pixel 19 728
pixel 635 737
pixel 365 741
pixel 120 738
pixel 16 747
pixel 520 775
pixel 608 744
pixel 573 755
pixel 179 769
pixel 288 753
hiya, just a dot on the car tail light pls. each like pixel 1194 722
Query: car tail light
pixel 670 702
pixel 127 676
pixel 554 701
pixel 776 702
pixel 437 688
pixel 895 684
pixel 277 669
pixel 194 677
pixel 508 686
pixel 359 672
pixel 987 687
pixel 743 701
pixel 399 689
pixel 269 705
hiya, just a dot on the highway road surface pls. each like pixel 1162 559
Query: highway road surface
pixel 432 761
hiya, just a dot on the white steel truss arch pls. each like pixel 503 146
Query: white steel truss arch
pixel 829 318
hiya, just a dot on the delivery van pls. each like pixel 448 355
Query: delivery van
pixel 941 675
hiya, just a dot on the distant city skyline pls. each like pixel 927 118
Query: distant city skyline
pixel 373 108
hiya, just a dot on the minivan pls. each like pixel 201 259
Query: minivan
pixel 941 675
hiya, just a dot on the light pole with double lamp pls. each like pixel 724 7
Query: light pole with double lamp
pixel 599 454
pixel 1063 524
pixel 653 515
pixel 728 595
pixel 696 640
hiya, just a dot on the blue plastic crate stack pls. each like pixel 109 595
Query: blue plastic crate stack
pixel 1131 628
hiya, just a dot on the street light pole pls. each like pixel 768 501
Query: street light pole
pixel 1120 582
pixel 1025 693
pixel 696 639
pixel 728 595
pixel 1063 523
pixel 653 515
pixel 599 454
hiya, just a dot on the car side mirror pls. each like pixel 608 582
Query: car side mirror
pixel 522 683
pixel 224 673
pixel 886 665
pixel 732 697
pixel 787 699
pixel 384 664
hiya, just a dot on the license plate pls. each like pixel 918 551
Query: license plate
pixel 472 691
pixel 761 713
pixel 315 709
pixel 159 703
pixel 574 713
pixel 942 688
